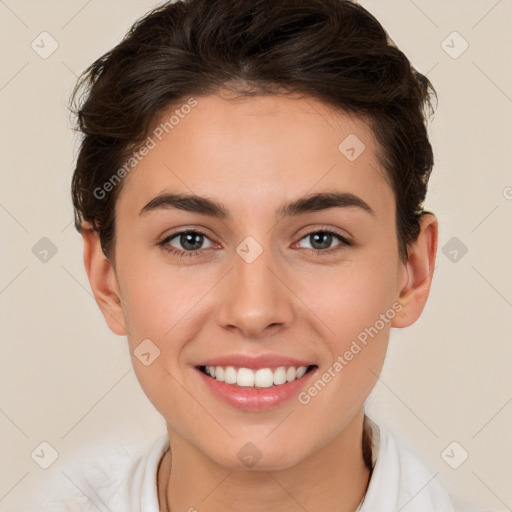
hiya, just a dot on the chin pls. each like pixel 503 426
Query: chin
pixel 256 457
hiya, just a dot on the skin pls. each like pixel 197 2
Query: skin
pixel 252 155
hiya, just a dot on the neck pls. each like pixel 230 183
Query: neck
pixel 335 477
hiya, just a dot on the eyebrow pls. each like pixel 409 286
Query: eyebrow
pixel 206 206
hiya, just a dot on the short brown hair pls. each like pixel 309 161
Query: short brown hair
pixel 332 50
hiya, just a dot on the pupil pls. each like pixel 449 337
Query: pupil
pixel 322 234
pixel 187 240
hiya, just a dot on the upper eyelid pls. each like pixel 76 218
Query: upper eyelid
pixel 168 238
pixel 183 231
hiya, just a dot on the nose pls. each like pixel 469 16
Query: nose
pixel 256 298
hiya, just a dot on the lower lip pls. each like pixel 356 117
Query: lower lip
pixel 252 398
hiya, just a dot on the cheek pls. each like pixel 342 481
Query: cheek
pixel 159 311
pixel 360 309
pixel 351 298
pixel 355 307
pixel 156 299
pixel 164 306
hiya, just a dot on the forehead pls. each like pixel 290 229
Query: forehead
pixel 254 150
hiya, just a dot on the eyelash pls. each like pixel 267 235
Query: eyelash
pixel 318 252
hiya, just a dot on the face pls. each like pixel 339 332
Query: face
pixel 253 283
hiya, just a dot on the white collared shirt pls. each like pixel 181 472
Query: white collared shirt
pixel 122 483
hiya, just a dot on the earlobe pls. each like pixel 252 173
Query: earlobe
pixel 103 280
pixel 418 270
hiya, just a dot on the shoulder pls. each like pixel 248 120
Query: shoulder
pixel 106 477
pixel 400 481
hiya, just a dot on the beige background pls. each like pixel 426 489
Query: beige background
pixel 65 379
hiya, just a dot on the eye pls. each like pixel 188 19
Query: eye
pixel 190 241
pixel 321 240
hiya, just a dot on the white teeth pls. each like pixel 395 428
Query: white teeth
pixel 261 378
pixel 245 377
pixel 217 372
pixel 229 375
pixel 291 373
pixel 280 375
pixel 300 372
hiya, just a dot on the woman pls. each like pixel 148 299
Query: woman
pixel 249 190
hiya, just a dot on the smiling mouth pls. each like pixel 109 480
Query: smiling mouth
pixel 258 378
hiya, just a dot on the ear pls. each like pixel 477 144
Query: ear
pixel 418 272
pixel 103 280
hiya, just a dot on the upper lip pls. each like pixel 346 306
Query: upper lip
pixel 261 361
